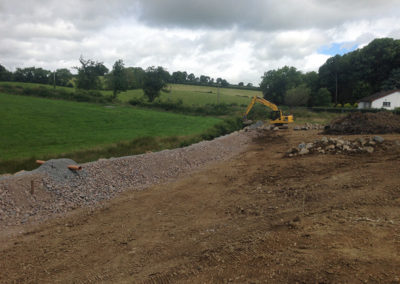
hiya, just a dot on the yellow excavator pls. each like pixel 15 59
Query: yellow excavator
pixel 276 117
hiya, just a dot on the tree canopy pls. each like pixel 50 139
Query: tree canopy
pixel 88 74
pixel 117 79
pixel 153 82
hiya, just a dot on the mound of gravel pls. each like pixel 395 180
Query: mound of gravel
pixel 53 188
pixel 57 170
pixel 365 123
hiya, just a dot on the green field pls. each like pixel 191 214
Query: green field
pixel 38 127
pixel 190 95
pixel 198 95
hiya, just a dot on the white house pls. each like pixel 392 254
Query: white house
pixel 386 100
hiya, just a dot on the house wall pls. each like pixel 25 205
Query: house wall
pixel 393 98
pixel 362 105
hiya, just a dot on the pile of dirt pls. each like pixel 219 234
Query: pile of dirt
pixel 365 123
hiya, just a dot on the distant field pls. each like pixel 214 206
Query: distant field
pixel 34 126
pixel 198 95
pixel 32 85
pixel 189 94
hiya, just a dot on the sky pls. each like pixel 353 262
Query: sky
pixel 237 40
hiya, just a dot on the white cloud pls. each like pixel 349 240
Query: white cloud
pixel 236 40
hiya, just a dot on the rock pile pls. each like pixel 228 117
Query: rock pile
pixel 337 145
pixel 309 126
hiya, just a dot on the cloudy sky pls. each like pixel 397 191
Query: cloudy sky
pixel 234 39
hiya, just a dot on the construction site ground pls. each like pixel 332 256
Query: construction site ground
pixel 259 217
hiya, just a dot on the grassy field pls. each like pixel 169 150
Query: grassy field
pixel 198 95
pixel 189 94
pixel 40 127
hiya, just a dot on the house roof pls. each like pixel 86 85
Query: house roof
pixel 376 96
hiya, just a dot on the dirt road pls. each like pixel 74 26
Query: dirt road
pixel 257 218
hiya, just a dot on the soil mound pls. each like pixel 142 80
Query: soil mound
pixel 365 123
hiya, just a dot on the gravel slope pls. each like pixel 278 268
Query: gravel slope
pixel 53 188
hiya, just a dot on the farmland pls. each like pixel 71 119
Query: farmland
pixel 35 126
pixel 198 95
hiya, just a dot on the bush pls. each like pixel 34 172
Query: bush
pixel 347 105
pixel 177 106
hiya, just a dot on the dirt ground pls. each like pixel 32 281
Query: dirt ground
pixel 257 218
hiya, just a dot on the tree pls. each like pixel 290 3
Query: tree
pixel 88 74
pixel 393 82
pixel 204 79
pixel 62 77
pixel 322 98
pixel 135 77
pixel 153 83
pixel 117 79
pixel 241 84
pixel 191 77
pixel 360 90
pixel 178 77
pixel 32 75
pixel 275 83
pixel 5 75
pixel 298 96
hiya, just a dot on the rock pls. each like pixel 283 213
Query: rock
pixel 397 142
pixel 309 145
pixel 297 128
pixel 276 128
pixel 301 145
pixel 346 148
pixel 378 139
pixel 339 142
pixel 330 147
pixel 304 151
pixel 369 149
pixel 361 141
pixel 324 140
pixel 304 128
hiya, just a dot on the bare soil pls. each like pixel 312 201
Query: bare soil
pixel 258 217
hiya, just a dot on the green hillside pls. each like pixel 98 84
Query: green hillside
pixel 37 127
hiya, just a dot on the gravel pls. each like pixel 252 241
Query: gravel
pixel 53 188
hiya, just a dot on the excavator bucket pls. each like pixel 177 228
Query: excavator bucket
pixel 247 122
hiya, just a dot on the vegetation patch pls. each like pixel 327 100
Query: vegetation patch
pixel 126 148
pixel 42 127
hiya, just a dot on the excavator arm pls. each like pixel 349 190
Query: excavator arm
pixel 276 115
pixel 262 101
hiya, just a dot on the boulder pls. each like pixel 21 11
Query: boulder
pixel 369 149
pixel 378 139
pixel 304 151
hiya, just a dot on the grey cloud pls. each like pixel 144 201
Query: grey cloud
pixel 259 15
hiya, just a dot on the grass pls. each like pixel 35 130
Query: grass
pixel 197 95
pixel 191 95
pixel 41 127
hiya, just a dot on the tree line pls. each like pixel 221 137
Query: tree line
pixel 90 71
pixel 342 79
